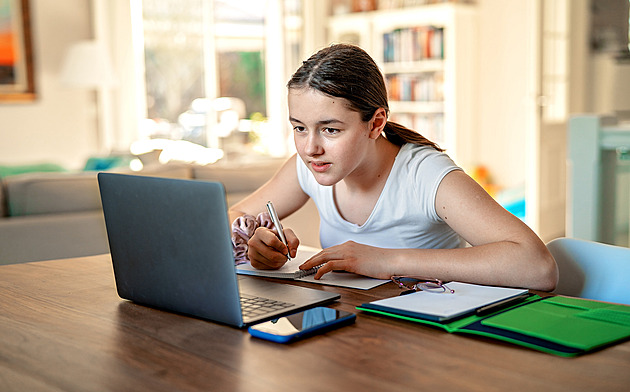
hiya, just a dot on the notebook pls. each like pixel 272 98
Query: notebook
pixel 466 299
pixel 171 249
pixel 562 326
pixel 291 270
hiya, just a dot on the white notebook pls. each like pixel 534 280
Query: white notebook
pixel 291 270
pixel 466 299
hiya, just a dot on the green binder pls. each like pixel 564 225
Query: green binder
pixel 557 325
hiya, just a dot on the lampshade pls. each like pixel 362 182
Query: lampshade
pixel 87 64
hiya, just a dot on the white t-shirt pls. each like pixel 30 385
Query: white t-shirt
pixel 404 215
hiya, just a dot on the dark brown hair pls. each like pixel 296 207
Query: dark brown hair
pixel 347 71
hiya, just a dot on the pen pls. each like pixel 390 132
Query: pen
pixel 484 310
pixel 276 222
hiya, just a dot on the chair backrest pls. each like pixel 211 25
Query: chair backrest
pixel 592 270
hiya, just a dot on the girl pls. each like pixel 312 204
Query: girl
pixel 390 201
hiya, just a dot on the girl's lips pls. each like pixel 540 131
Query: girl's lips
pixel 320 166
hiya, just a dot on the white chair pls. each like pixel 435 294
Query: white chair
pixel 592 270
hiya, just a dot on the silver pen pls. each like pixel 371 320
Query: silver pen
pixel 276 222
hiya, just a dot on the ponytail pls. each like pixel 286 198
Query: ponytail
pixel 399 135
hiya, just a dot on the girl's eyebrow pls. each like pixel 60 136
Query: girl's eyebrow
pixel 321 122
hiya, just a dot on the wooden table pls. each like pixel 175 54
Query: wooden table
pixel 63 328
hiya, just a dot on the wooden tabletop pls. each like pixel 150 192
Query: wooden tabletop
pixel 63 328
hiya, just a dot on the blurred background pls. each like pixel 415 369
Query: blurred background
pixel 495 82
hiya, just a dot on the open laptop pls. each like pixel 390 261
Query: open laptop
pixel 171 248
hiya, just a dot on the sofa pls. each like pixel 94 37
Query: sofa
pixel 49 215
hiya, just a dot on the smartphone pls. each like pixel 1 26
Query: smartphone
pixel 301 324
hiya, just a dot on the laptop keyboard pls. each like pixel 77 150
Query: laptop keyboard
pixel 253 306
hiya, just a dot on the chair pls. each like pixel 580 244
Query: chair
pixel 592 270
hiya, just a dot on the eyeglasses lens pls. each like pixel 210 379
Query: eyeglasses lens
pixel 430 286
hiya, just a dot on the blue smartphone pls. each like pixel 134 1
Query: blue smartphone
pixel 301 324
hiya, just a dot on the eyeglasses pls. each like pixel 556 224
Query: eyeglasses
pixel 412 283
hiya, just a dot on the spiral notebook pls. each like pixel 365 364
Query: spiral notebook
pixel 291 270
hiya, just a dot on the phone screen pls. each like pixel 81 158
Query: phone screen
pixel 300 323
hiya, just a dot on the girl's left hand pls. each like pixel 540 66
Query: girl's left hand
pixel 351 257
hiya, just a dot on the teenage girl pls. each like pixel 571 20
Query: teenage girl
pixel 390 201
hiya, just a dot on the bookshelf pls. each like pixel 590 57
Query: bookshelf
pixel 426 54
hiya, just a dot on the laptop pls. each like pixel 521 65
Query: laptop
pixel 171 248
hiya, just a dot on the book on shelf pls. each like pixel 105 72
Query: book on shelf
pixel 411 44
pixel 420 87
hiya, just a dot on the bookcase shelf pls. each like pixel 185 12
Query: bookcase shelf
pixel 426 54
pixel 430 65
pixel 416 107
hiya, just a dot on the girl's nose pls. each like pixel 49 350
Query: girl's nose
pixel 313 146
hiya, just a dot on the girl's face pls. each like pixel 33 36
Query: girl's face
pixel 330 138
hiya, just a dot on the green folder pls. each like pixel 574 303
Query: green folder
pixel 557 325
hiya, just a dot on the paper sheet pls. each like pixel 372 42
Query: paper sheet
pixel 466 298
pixel 345 279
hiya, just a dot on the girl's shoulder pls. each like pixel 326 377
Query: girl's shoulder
pixel 422 168
pixel 415 155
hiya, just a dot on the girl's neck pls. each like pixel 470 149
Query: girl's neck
pixel 374 173
pixel 356 195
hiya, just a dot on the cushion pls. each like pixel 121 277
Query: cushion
pixel 49 193
pixel 52 193
pixel 242 178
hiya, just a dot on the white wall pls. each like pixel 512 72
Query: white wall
pixel 504 89
pixel 60 126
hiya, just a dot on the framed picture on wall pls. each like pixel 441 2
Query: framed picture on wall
pixel 16 52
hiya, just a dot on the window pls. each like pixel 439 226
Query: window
pixel 555 41
pixel 209 75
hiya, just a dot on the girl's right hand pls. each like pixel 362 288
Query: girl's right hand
pixel 266 250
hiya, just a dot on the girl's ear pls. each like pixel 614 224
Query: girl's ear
pixel 377 123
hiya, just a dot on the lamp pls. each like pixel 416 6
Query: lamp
pixel 87 65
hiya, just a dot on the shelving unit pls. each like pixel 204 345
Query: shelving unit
pixel 427 57
pixel 598 179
